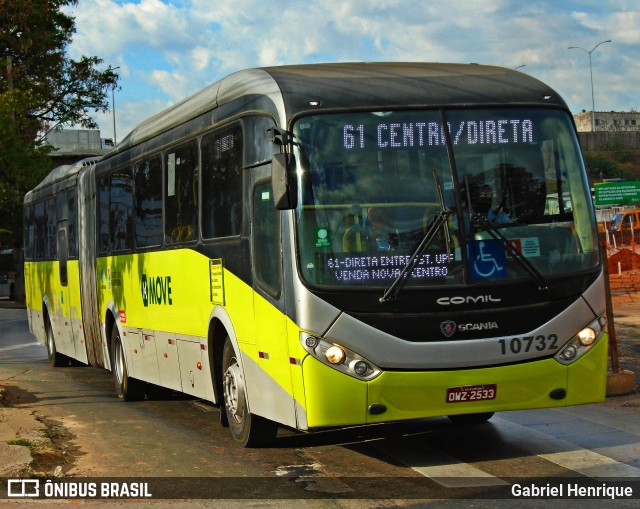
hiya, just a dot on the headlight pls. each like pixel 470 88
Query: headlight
pixel 339 357
pixel 587 336
pixel 335 354
pixel 581 343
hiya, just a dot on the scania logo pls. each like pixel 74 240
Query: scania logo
pixel 448 328
pixel 478 326
pixel 467 299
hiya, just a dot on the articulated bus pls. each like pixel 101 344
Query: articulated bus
pixel 331 245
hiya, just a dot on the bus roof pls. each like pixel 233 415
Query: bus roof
pixel 62 172
pixel 365 85
pixel 402 85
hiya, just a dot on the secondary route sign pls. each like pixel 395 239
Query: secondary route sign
pixel 617 193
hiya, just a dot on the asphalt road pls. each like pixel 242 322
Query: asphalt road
pixel 177 445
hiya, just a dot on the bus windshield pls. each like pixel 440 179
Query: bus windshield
pixel 372 185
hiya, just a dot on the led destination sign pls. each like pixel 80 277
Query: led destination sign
pixel 423 134
pixel 386 267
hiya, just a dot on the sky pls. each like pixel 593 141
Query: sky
pixel 167 50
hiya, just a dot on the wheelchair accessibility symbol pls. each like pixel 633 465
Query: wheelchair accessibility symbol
pixel 488 259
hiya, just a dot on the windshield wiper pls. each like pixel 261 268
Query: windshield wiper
pixel 481 222
pixel 441 218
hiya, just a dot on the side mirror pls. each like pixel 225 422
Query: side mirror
pixel 283 181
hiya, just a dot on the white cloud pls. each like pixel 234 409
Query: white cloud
pixel 170 49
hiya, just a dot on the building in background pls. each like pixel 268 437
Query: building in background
pixel 612 121
pixel 75 144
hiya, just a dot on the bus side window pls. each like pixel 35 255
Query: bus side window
pixel 222 184
pixel 72 223
pixel 103 214
pixel 51 229
pixel 121 209
pixel 29 233
pixel 181 198
pixel 115 209
pixel 266 239
pixel 148 201
pixel 40 234
pixel 62 249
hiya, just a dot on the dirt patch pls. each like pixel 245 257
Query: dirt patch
pixel 626 308
pixel 57 455
pixel 623 260
pixel 628 340
pixel 12 396
pixel 52 447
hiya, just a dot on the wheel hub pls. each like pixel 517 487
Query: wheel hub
pixel 234 392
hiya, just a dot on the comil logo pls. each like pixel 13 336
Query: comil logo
pixel 467 299
pixel 156 290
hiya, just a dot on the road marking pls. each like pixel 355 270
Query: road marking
pixel 437 465
pixel 563 453
pixel 15 347
pixel 450 472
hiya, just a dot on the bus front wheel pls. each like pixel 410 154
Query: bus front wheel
pixel 127 388
pixel 248 429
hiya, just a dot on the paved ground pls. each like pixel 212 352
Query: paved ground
pixel 21 432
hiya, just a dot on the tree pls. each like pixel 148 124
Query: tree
pixel 23 164
pixel 41 89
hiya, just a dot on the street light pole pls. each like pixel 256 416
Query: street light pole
pixel 113 108
pixel 593 102
pixel 113 105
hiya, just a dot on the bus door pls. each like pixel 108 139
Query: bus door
pixel 64 328
pixel 275 399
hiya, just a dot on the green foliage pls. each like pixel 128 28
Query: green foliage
pixel 23 163
pixel 20 441
pixel 617 162
pixel 601 166
pixel 620 152
pixel 40 88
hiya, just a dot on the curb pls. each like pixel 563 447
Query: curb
pixel 11 304
pixel 621 383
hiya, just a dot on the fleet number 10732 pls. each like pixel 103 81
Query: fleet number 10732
pixel 541 343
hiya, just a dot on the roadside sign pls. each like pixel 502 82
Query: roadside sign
pixel 617 193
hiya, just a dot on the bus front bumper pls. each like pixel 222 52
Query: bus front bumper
pixel 335 399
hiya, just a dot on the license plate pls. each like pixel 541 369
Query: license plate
pixel 471 393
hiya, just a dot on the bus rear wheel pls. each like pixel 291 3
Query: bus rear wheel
pixel 127 388
pixel 248 429
pixel 56 359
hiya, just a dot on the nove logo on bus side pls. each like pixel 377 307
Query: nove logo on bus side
pixel 156 290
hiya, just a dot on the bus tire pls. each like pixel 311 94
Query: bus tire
pixel 247 429
pixel 127 388
pixel 470 418
pixel 56 359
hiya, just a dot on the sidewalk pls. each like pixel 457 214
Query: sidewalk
pixel 5 303
pixel 20 432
